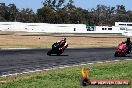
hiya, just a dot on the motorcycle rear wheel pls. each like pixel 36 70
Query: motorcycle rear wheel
pixel 49 53
pixel 116 54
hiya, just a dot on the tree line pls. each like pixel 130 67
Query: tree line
pixel 60 12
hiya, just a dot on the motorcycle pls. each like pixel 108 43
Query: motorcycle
pixel 121 50
pixel 57 48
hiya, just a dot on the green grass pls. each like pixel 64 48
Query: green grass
pixel 69 77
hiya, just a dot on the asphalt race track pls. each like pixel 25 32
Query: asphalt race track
pixel 17 61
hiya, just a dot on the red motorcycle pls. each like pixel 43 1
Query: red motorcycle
pixel 57 48
pixel 121 50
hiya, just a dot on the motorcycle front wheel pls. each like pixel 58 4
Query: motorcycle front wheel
pixel 49 53
pixel 116 54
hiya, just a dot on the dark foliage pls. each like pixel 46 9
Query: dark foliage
pixel 57 11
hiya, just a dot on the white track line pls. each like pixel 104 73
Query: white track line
pixel 100 62
pixel 107 61
pixel 128 59
pixel 116 60
pixel 90 63
pixel 61 66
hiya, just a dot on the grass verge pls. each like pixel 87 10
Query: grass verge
pixel 45 40
pixel 69 77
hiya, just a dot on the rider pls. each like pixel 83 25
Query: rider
pixel 62 43
pixel 128 43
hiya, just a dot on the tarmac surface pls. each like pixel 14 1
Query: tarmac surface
pixel 20 60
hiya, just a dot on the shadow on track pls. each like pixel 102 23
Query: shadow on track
pixel 127 56
pixel 123 56
pixel 58 55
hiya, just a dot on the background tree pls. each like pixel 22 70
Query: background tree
pixel 54 4
pixel 46 15
pixel 58 11
pixel 121 13
pixel 12 11
pixel 26 15
pixel 62 16
pixel 4 12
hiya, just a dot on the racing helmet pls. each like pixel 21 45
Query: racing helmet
pixel 128 39
pixel 64 39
